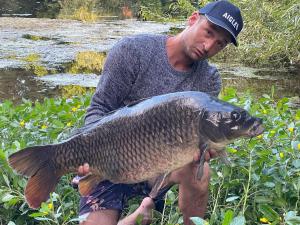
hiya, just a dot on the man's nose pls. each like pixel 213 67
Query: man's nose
pixel 209 45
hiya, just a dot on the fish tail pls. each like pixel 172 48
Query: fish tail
pixel 37 164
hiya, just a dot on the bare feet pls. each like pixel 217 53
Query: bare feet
pixel 144 211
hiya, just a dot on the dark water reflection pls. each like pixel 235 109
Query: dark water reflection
pixel 16 84
pixel 286 82
pixel 283 87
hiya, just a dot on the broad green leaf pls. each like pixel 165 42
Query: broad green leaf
pixel 239 220
pixel 3 118
pixel 199 221
pixel 11 223
pixel 262 199
pixel 37 214
pixel 78 219
pixel 281 202
pixel 291 218
pixel 7 197
pixel 295 145
pixel 296 163
pixel 231 199
pixel 227 217
pixel 6 180
pixel 269 184
pixel 266 96
pixel 43 219
pixel 268 212
pixel 58 124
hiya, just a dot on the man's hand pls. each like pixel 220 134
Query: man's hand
pixel 210 153
pixel 82 171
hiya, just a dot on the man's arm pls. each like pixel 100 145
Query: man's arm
pixel 214 83
pixel 119 73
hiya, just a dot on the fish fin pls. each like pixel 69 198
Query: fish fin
pixel 29 160
pixel 88 183
pixel 40 185
pixel 203 150
pixel 36 163
pixel 161 182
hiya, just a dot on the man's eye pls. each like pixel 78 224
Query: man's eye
pixel 208 32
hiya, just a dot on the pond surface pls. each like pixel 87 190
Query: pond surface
pixel 61 40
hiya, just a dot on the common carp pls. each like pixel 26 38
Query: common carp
pixel 136 143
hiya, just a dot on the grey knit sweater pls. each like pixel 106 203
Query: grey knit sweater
pixel 137 67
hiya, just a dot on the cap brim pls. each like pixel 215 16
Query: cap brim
pixel 223 25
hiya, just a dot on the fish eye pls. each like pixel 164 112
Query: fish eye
pixel 235 115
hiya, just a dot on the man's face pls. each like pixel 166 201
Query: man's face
pixel 203 39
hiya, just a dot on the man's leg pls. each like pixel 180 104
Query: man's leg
pixel 193 193
pixel 107 217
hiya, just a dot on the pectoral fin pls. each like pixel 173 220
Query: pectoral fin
pixel 160 183
pixel 88 183
pixel 203 150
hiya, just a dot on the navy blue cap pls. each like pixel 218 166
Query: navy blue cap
pixel 226 15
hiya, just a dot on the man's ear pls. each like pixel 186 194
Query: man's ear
pixel 193 18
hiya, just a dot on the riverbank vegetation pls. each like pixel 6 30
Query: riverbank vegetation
pixel 261 185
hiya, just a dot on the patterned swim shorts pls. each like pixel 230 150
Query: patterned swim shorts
pixel 107 195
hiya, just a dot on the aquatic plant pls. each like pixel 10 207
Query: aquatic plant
pixel 35 37
pixel 73 90
pixel 87 62
pixel 32 57
pixel 34 65
pixel 37 69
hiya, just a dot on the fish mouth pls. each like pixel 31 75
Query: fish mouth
pixel 256 129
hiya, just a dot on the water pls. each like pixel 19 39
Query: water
pixel 61 40
pixel 286 81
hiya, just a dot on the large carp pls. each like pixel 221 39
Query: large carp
pixel 136 143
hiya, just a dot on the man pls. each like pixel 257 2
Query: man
pixel 147 65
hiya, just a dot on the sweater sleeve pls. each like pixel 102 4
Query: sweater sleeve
pixel 119 74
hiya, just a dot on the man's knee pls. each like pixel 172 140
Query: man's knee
pixel 110 216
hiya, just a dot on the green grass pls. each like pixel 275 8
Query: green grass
pixel 262 182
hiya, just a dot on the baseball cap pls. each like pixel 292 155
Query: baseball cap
pixel 226 15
